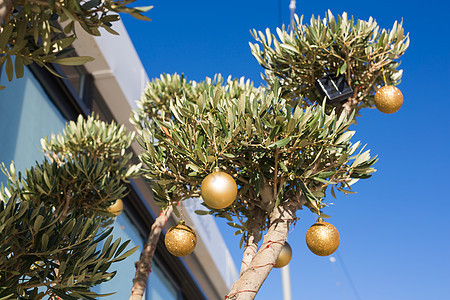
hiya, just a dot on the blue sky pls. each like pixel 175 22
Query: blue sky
pixel 395 237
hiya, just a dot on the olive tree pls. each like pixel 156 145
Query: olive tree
pixel 285 145
pixel 53 216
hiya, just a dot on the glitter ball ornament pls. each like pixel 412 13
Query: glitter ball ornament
pixel 388 99
pixel 285 256
pixel 322 238
pixel 218 189
pixel 116 208
pixel 180 240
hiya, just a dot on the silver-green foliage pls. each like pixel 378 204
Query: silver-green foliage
pixel 50 217
pixel 42 255
pixel 43 31
pixel 96 139
pixel 155 102
pixel 276 151
pixel 360 50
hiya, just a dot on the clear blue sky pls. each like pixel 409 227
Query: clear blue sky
pixel 395 237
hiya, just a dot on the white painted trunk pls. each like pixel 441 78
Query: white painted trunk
pixel 250 281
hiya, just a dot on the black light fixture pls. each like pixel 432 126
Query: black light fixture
pixel 335 88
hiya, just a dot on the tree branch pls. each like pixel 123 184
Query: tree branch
pixel 143 266
pixel 253 238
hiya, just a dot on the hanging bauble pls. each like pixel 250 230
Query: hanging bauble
pixel 285 256
pixel 218 189
pixel 322 238
pixel 388 99
pixel 180 240
pixel 116 208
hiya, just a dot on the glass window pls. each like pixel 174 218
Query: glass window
pixel 121 283
pixel 159 286
pixel 75 77
pixel 26 115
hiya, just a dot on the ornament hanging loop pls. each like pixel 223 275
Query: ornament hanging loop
pixel 384 76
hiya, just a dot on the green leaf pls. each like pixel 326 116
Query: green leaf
pixel 72 61
pixel 234 225
pixel 143 8
pixel 345 137
pixel 38 223
pixel 322 180
pixel 238 232
pixel 203 212
pixel 140 17
pixel 9 68
pixel 126 254
pixel 90 4
pixel 343 68
pixel 281 143
pixel 19 68
pixel 44 241
pixel 283 166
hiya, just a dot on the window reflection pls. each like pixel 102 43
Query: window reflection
pixel 26 115
pixel 159 286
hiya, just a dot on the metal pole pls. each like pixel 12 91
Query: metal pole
pixel 292 7
pixel 285 276
pixel 286 281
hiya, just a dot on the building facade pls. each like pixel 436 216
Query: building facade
pixel 40 104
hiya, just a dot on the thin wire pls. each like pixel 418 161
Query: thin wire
pixel 338 277
pixel 347 274
pixel 384 76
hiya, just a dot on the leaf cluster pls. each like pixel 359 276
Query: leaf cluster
pixel 42 255
pixel 80 186
pixel 275 150
pixel 93 138
pixel 155 102
pixel 43 31
pixel 50 217
pixel 363 52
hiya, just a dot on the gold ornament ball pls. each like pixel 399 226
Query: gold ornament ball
pixel 285 256
pixel 322 239
pixel 388 99
pixel 180 240
pixel 116 208
pixel 218 190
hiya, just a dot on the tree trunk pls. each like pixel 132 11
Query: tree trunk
pixel 143 266
pixel 250 281
pixel 251 246
pixel 250 250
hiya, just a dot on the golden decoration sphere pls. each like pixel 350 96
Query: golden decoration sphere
pixel 285 256
pixel 388 99
pixel 180 240
pixel 116 208
pixel 218 190
pixel 322 238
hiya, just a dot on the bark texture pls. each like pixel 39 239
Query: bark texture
pixel 143 266
pixel 250 281
pixel 249 252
